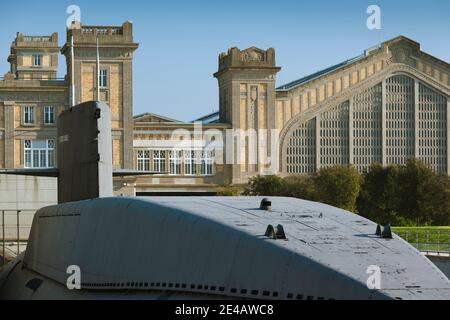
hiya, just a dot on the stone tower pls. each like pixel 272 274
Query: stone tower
pixel 116 49
pixel 247 102
pixel 34 57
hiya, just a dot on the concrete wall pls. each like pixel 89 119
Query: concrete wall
pixel 27 194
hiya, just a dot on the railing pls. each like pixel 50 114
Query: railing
pixel 15 226
pixel 432 240
pixel 102 30
pixel 37 38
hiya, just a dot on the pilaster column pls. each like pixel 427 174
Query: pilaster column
pixel 9 134
pixel 270 115
pixel 127 115
pixel 318 142
pixel 235 101
pixel 350 132
pixel 448 135
pixel 249 126
pixel 416 118
pixel 383 123
pixel 78 82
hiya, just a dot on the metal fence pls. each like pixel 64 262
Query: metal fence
pixel 15 227
pixel 432 240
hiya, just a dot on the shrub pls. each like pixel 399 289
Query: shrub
pixel 338 186
pixel 300 186
pixel 411 194
pixel 229 191
pixel 265 186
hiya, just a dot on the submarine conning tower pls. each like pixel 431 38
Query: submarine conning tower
pixel 84 153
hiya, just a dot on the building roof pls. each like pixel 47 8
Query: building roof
pixel 209 118
pixel 346 63
pixel 153 117
pixel 215 118
pixel 320 73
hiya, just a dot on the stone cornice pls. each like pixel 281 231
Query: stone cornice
pixel 177 125
pixel 34 95
pixel 124 52
pixel 33 85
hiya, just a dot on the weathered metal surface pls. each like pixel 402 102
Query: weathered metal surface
pixel 442 261
pixel 216 246
pixel 85 152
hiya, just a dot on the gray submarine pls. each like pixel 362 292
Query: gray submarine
pixel 192 248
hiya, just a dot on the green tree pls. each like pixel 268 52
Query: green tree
pixel 411 194
pixel 441 216
pixel 300 186
pixel 424 194
pixel 338 186
pixel 400 195
pixel 379 196
pixel 229 191
pixel 270 185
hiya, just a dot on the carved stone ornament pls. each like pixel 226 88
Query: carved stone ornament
pixel 401 55
pixel 252 55
pixel 254 94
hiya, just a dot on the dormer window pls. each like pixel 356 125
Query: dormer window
pixel 37 60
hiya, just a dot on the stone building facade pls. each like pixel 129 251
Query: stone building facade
pixel 116 49
pixel 384 106
pixel 32 97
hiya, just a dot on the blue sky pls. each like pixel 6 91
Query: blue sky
pixel 180 40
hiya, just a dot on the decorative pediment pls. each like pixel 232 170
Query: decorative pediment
pixel 403 50
pixel 407 51
pixel 252 54
pixel 153 118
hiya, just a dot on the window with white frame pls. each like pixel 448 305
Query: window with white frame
pixel 39 153
pixel 190 163
pixel 143 160
pixel 37 60
pixel 28 115
pixel 49 115
pixel 175 162
pixel 103 78
pixel 159 161
pixel 207 162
